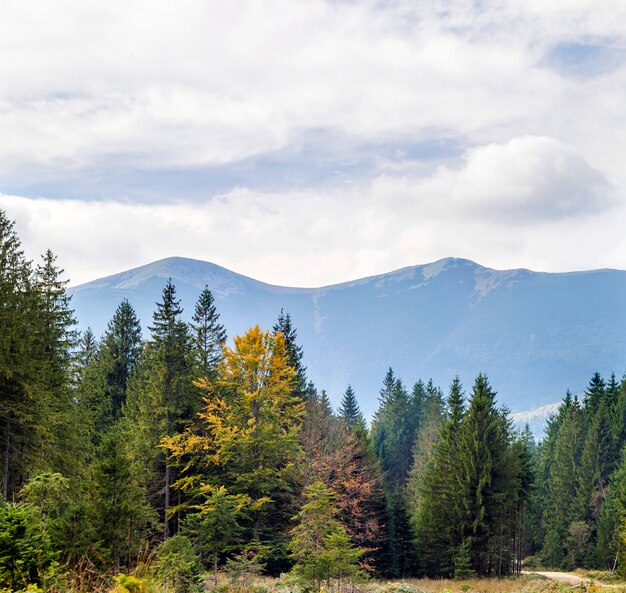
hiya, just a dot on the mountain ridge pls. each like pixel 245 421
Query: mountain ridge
pixel 451 259
pixel 535 334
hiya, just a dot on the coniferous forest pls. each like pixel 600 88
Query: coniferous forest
pixel 189 454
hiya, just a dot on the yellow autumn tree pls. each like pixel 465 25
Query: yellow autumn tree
pixel 248 440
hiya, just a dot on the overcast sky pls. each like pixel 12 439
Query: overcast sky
pixel 311 142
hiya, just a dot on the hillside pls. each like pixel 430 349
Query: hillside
pixel 534 334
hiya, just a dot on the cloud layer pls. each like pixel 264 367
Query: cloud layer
pixel 305 143
pixel 535 199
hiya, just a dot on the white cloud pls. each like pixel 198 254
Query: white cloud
pixel 498 196
pixel 208 83
pixel 525 180
pixel 90 88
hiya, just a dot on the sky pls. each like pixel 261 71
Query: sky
pixel 310 142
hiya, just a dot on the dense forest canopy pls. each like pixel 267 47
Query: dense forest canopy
pixel 212 453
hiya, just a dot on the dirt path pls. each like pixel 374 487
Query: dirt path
pixel 563 577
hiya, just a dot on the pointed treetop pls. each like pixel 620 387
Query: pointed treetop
pixel 209 334
pixel 167 313
pixel 456 401
pixel 389 384
pixel 284 326
pixel 88 348
pixel 349 412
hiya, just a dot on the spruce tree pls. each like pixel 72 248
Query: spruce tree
pixel 437 504
pixel 392 436
pixel 350 413
pixel 296 355
pixel 57 339
pixel 162 401
pixel 19 363
pixel 120 351
pixel 486 480
pixel 563 505
pixel 208 334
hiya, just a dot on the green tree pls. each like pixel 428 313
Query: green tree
pixel 563 503
pixel 26 553
pixel 294 351
pixel 208 334
pixel 22 413
pixel 350 413
pixel 249 436
pixel 437 502
pixel 178 566
pixel 488 480
pixel 216 526
pixel 162 402
pixel 320 547
pixel 119 353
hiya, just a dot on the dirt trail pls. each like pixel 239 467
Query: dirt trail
pixel 573 579
pixel 564 577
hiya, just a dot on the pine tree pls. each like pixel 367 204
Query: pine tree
pixel 22 418
pixel 294 350
pixel 437 504
pixel 162 402
pixel 350 413
pixel 486 480
pixel 209 335
pixel 120 351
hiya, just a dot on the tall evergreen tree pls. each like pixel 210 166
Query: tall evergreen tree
pixel 57 340
pixel 162 401
pixel 21 415
pixel 437 503
pixel 209 335
pixel 120 351
pixel 295 353
pixel 563 504
pixel 393 435
pixel 486 480
pixel 350 413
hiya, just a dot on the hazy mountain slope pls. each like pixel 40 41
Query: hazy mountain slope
pixel 534 334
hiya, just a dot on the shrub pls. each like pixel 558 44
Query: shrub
pixel 26 553
pixel 129 584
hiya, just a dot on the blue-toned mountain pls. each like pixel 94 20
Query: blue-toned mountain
pixel 534 334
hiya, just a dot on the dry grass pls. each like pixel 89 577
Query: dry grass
pixel 507 585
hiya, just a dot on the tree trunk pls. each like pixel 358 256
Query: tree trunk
pixel 7 457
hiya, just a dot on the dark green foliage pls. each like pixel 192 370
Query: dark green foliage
pixel 577 490
pixel 470 498
pixel 208 334
pixel 463 562
pixel 178 565
pixel 437 504
pixel 350 413
pixel 294 351
pixel 393 433
pixel 26 552
pixel 119 353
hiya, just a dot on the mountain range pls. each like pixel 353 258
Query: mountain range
pixel 534 334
